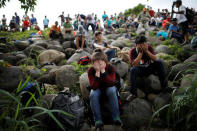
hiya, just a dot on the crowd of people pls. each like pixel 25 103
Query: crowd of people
pixel 142 58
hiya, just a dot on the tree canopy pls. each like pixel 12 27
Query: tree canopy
pixel 25 4
pixel 136 10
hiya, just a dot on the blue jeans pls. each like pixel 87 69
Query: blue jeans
pixel 111 53
pixel 113 101
pixel 179 37
pixel 140 71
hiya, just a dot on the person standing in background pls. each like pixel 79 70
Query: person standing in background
pixel 17 22
pixel 46 22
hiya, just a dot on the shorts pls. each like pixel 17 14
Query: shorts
pixel 184 27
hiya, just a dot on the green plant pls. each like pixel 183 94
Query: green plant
pixel 80 68
pixel 45 33
pixel 17 116
pixel 109 37
pixel 152 33
pixel 182 111
pixel 136 10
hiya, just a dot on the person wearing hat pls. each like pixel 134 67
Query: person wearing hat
pixel 182 20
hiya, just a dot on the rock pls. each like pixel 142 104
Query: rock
pixel 181 69
pixel 21 45
pixel 54 42
pixel 186 82
pixel 10 78
pixel 84 83
pixel 48 100
pixel 66 76
pixel 56 47
pixel 33 50
pixel 184 54
pixel 121 42
pixel 50 56
pixel 35 73
pixel 68 37
pixel 161 100
pixel 140 93
pixel 42 43
pixel 121 67
pixel 124 95
pixel 124 55
pixel 153 82
pixel 193 58
pixel 77 56
pixel 136 114
pixel 68 44
pixel 154 40
pixel 69 52
pixel 152 97
pixel 5 48
pixel 162 49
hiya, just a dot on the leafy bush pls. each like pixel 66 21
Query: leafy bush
pixel 136 10
pixel 80 68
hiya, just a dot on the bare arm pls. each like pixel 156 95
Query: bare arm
pixel 137 60
pixel 152 56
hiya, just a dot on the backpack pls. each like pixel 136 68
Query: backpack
pixel 32 88
pixel 194 42
pixel 85 60
pixel 69 103
pixel 189 15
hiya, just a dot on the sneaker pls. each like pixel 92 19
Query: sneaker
pixel 117 121
pixel 98 124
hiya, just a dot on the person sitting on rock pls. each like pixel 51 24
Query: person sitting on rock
pixel 4 24
pixel 55 31
pixel 80 38
pixel 98 26
pixel 144 62
pixel 67 26
pixel 102 81
pixel 108 24
pixel 162 35
pixel 109 50
pixel 173 29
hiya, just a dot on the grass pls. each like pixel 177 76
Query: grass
pixel 17 116
pixel 182 111
pixel 152 33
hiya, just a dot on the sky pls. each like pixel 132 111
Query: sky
pixel 53 8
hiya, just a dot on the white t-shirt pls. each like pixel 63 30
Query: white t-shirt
pixel 159 19
pixel 181 17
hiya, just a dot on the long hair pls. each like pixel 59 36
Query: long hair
pixel 98 54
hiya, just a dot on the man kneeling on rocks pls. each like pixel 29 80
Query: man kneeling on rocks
pixel 144 62
pixel 55 31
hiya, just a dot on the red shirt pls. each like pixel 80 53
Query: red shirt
pixel 105 80
pixel 26 23
pixel 151 13
pixel 145 59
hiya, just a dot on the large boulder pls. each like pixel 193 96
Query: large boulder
pixel 33 50
pixel 56 47
pixel 66 76
pixel 193 58
pixel 42 43
pixel 162 49
pixel 122 68
pixel 21 45
pixel 50 56
pixel 154 40
pixel 69 52
pixel 137 113
pixel 84 83
pixel 77 56
pixel 68 44
pixel 68 37
pixel 181 69
pixel 121 42
pixel 48 100
pixel 10 78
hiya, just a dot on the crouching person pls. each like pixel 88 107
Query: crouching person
pixel 102 81
pixel 144 62
pixel 55 31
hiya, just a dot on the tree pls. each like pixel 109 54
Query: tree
pixel 136 10
pixel 25 4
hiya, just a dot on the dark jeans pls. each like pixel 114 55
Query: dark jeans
pixel 92 26
pixel 141 71
pixel 55 35
pixel 111 53
pixel 178 36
